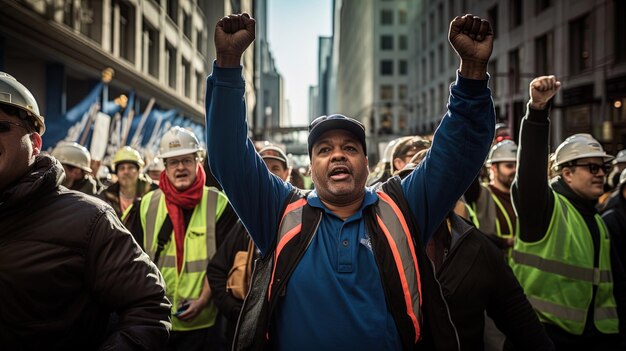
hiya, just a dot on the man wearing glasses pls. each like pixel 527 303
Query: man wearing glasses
pixel 66 261
pixel 343 267
pixel 562 255
pixel 182 223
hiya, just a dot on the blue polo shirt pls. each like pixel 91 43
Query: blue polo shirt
pixel 334 298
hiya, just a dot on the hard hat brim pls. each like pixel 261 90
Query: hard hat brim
pixel 176 153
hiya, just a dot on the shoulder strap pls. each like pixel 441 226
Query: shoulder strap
pixel 254 319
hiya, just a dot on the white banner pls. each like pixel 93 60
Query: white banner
pixel 100 137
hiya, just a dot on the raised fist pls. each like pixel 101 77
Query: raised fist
pixel 541 90
pixel 233 35
pixel 472 39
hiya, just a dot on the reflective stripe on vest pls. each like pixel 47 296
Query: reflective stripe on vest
pixel 471 212
pixel 290 226
pixel 170 261
pixel 400 241
pixel 506 217
pixel 592 275
pixel 199 245
pixel 397 234
pixel 558 273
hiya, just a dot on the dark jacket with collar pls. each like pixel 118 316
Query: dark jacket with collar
pixel 614 215
pixel 437 329
pixel 475 278
pixel 66 264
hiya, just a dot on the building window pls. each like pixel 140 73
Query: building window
pixel 516 13
pixel 440 58
pixel 386 92
pixel 544 55
pixel 199 88
pixel 150 50
pixel 386 67
pixel 431 64
pixel 187 25
pixel 200 43
pixel 541 5
pixel 514 73
pixel 403 67
pixel 580 44
pixel 123 30
pixel 440 18
pixel 424 35
pixel 451 10
pixel 386 42
pixel 170 65
pixel 423 70
pixel 620 31
pixel 402 16
pixel 402 92
pixel 172 10
pixel 403 42
pixel 431 29
pixel 492 17
pixel 91 21
pixel 386 17
pixel 186 79
pixel 127 32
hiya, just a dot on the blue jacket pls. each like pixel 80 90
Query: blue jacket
pixel 335 297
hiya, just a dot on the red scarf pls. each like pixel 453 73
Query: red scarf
pixel 175 201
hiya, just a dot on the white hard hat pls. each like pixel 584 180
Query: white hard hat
pixel 388 153
pixel 620 158
pixel 13 93
pixel 504 151
pixel 578 146
pixel 177 142
pixel 156 165
pixel 73 154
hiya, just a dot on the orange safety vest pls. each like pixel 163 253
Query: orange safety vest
pixel 399 260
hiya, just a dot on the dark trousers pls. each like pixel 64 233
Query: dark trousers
pixel 194 340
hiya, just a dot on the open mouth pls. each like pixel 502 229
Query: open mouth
pixel 181 176
pixel 339 173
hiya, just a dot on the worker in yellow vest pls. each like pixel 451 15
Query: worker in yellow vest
pixel 492 211
pixel 182 224
pixel 562 255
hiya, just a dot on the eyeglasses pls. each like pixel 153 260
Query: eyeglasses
pixel 185 161
pixel 594 168
pixel 5 126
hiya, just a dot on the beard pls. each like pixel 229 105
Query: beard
pixel 506 180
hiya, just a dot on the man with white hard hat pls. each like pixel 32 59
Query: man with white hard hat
pixel 563 254
pixel 76 161
pixel 66 262
pixel 492 211
pixel 182 224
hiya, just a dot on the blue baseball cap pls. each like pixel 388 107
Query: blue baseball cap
pixel 323 124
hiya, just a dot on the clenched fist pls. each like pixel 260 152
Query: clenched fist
pixel 541 90
pixel 233 35
pixel 472 39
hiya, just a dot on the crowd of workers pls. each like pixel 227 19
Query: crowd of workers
pixel 436 248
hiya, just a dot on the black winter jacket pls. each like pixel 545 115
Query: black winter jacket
pixel 475 278
pixel 67 264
